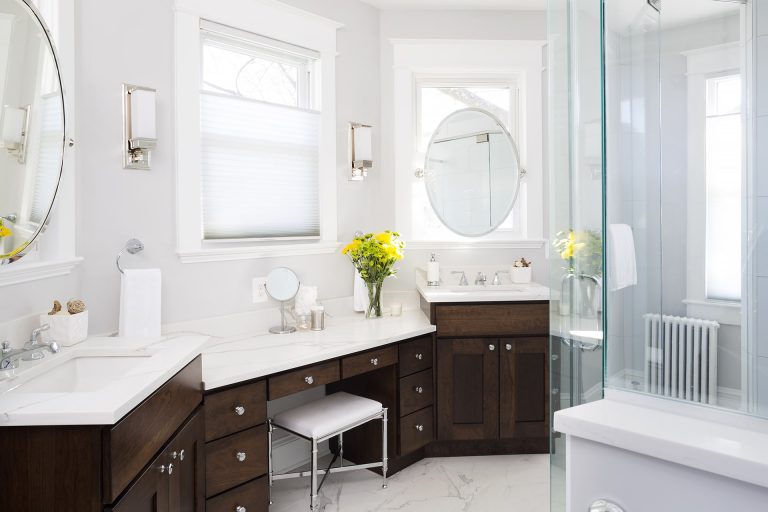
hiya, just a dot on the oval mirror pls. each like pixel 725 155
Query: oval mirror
pixel 32 127
pixel 472 172
pixel 282 284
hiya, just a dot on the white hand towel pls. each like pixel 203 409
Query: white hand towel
pixel 140 299
pixel 361 293
pixel 622 264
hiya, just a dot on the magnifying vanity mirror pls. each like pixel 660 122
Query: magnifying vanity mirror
pixel 32 128
pixel 282 285
pixel 472 172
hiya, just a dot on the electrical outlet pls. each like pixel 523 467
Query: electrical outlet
pixel 260 290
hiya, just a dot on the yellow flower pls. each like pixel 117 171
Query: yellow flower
pixel 352 246
pixel 384 238
pixel 4 231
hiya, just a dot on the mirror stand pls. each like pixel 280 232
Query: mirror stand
pixel 283 328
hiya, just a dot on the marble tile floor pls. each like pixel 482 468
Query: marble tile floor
pixel 468 484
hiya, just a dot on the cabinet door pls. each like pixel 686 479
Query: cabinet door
pixel 524 397
pixel 187 454
pixel 150 492
pixel 467 389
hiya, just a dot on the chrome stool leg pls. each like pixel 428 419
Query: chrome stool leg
pixel 270 428
pixel 384 454
pixel 341 450
pixel 313 491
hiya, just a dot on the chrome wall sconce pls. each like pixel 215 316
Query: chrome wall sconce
pixel 139 126
pixel 16 130
pixel 361 150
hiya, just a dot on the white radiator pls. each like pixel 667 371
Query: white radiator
pixel 681 357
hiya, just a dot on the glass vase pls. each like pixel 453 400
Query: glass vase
pixel 374 299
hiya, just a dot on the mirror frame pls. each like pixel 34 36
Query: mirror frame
pixel 20 251
pixel 520 170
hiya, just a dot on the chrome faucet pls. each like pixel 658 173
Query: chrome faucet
pixel 480 279
pixel 32 350
pixel 463 279
pixel 497 277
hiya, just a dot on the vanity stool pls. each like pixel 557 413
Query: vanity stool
pixel 321 420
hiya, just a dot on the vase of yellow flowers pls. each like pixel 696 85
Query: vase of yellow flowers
pixel 374 256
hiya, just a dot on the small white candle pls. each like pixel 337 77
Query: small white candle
pixel 397 309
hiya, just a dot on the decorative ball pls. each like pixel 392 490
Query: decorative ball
pixel 56 308
pixel 75 306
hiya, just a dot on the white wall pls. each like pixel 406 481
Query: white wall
pixel 116 204
pixel 455 25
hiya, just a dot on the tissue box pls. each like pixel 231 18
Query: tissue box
pixel 520 275
pixel 66 330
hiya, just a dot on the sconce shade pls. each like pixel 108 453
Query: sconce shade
pixel 143 114
pixel 363 143
pixel 14 120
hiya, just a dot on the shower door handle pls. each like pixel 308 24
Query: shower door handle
pixel 605 506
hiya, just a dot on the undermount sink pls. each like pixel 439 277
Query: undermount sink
pixel 82 374
pixel 488 288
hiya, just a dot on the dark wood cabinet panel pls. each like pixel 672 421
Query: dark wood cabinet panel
pixel 236 409
pixel 467 389
pixel 131 443
pixel 303 379
pixel 491 319
pixel 187 454
pixel 416 430
pixel 235 459
pixel 150 493
pixel 415 355
pixel 368 361
pixel 416 392
pixel 253 497
pixel 524 395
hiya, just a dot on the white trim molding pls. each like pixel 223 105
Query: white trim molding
pixel 276 20
pixel 23 272
pixel 479 244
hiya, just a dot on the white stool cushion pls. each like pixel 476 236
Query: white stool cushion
pixel 327 415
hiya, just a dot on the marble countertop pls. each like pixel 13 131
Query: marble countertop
pixel 506 292
pixel 721 442
pixel 228 361
pixel 23 401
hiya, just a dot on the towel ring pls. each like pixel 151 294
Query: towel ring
pixel 133 246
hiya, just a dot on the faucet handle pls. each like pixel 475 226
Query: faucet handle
pixel 6 347
pixel 463 281
pixel 497 276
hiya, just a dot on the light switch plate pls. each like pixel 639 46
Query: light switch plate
pixel 259 290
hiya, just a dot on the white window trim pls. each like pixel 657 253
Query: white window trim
pixel 54 252
pixel 469 59
pixel 268 18
pixel 702 64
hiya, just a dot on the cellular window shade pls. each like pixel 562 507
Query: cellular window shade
pixel 48 158
pixel 259 169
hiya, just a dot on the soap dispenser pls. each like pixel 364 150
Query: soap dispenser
pixel 433 272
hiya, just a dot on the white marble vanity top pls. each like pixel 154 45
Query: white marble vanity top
pixel 720 442
pixel 228 361
pixel 506 292
pixel 95 382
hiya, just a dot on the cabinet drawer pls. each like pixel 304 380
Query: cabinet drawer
pixel 233 410
pixel 306 378
pixel 131 443
pixel 224 468
pixel 253 497
pixel 368 361
pixel 523 319
pixel 416 392
pixel 415 355
pixel 416 430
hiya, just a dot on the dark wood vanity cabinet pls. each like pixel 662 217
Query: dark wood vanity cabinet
pixel 492 378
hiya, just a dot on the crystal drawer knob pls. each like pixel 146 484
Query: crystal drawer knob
pixel 508 346
pixel 181 455
pixel 491 347
pixel 418 389
pixel 375 361
pixel 420 428
pixel 309 380
pixel 419 357
pixel 174 455
pixel 239 410
pixel 240 456
pixel 240 508
pixel 162 468
pixel 170 469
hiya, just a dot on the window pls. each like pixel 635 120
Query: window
pixel 260 136
pixel 723 188
pixel 255 123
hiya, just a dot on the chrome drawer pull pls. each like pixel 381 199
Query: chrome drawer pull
pixel 240 456
pixel 240 508
pixel 491 347
pixel 181 455
pixel 508 346
pixel 418 389
pixel 420 428
pixel 162 468
pixel 419 357
pixel 375 361
pixel 239 410
pixel 174 455
pixel 309 380
pixel 605 506
pixel 170 469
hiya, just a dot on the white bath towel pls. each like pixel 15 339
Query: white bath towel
pixel 140 300
pixel 622 264
pixel 361 293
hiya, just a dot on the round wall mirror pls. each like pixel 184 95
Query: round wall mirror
pixel 282 285
pixel 472 172
pixel 32 127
